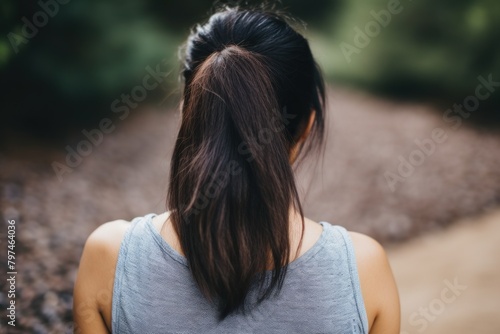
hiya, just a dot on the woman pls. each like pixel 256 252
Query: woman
pixel 234 253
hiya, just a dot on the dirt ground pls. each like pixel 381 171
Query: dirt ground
pixel 467 257
pixel 126 176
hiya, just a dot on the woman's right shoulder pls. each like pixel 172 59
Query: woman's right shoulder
pixel 378 286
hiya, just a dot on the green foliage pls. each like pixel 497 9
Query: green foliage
pixel 184 14
pixel 429 49
pixel 7 18
pixel 84 57
pixel 70 70
pixel 92 51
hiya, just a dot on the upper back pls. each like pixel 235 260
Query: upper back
pixel 154 291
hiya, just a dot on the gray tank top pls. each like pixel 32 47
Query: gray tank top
pixel 154 291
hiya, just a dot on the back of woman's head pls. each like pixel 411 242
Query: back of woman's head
pixel 251 88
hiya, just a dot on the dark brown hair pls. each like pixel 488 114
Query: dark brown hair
pixel 251 84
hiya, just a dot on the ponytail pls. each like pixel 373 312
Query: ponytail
pixel 231 183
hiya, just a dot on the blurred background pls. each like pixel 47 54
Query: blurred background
pixel 89 113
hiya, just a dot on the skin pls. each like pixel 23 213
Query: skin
pixel 94 284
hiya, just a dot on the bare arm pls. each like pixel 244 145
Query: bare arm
pixel 378 286
pixel 92 295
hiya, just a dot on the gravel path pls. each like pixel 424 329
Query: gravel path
pixel 449 281
pixel 126 176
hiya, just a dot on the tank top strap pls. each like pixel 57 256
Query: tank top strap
pixel 341 238
pixel 130 256
pixel 145 256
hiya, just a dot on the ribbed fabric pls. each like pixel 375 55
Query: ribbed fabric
pixel 154 291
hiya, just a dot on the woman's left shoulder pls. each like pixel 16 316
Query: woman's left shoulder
pixel 100 253
pixel 108 236
pixel 103 245
pixel 94 283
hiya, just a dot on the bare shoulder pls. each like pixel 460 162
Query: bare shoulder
pixel 100 253
pixel 108 236
pixel 94 283
pixel 103 245
pixel 369 252
pixel 378 286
